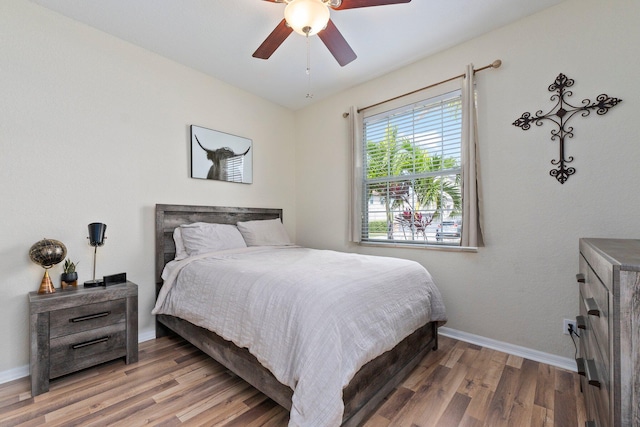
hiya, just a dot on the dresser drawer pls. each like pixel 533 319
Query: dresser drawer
pixel 86 317
pixel 596 395
pixel 589 402
pixel 595 297
pixel 70 353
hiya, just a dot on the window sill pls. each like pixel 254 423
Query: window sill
pixel 427 247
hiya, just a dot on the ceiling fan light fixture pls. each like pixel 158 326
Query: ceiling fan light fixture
pixel 307 17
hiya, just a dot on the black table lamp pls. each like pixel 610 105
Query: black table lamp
pixel 96 238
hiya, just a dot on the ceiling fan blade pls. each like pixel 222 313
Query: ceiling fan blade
pixel 337 45
pixel 273 41
pixel 352 4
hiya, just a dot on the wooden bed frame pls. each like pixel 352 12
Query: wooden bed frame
pixel 370 385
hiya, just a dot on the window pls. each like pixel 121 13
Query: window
pixel 235 167
pixel 412 173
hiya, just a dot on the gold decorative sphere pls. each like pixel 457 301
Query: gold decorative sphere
pixel 48 252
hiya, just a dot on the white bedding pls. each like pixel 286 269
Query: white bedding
pixel 312 317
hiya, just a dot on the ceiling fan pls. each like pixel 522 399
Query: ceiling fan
pixel 309 17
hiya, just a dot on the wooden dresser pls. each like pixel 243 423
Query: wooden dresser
pixel 77 328
pixel 609 328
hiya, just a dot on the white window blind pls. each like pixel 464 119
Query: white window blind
pixel 234 167
pixel 411 168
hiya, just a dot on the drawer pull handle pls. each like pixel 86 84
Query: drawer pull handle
pixel 581 323
pixel 88 343
pixel 580 365
pixel 591 373
pixel 592 307
pixel 580 277
pixel 89 317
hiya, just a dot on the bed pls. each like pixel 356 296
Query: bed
pixel 366 388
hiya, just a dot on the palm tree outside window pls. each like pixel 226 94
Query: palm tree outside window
pixel 412 173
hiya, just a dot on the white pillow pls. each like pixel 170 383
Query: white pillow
pixel 181 252
pixel 268 232
pixel 202 237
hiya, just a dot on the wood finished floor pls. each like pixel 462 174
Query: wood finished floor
pixel 175 384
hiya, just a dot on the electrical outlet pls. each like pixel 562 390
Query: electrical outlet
pixel 565 326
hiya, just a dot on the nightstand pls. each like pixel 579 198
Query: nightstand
pixel 75 329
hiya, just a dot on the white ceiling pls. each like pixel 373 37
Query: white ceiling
pixel 217 37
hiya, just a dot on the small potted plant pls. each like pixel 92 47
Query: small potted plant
pixel 70 276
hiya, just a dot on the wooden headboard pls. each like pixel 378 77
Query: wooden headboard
pixel 168 217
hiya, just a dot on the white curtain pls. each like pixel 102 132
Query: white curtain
pixel 471 191
pixel 355 207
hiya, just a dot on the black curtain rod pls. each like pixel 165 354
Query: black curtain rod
pixel 495 64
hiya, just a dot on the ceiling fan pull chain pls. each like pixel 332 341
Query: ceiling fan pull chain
pixel 309 94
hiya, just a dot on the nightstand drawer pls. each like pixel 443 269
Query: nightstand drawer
pixel 70 353
pixel 86 317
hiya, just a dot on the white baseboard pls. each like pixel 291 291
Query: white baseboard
pixel 23 371
pixel 147 335
pixel 14 374
pixel 527 353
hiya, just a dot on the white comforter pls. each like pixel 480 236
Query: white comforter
pixel 312 317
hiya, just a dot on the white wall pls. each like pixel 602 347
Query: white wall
pixel 96 129
pixel 522 284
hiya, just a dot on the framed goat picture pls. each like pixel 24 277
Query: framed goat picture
pixel 220 156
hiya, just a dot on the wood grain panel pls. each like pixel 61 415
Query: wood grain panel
pixel 168 217
pixel 75 328
pixel 89 316
pixel 70 353
pixel 610 342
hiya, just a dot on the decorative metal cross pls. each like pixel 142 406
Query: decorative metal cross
pixel 560 114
